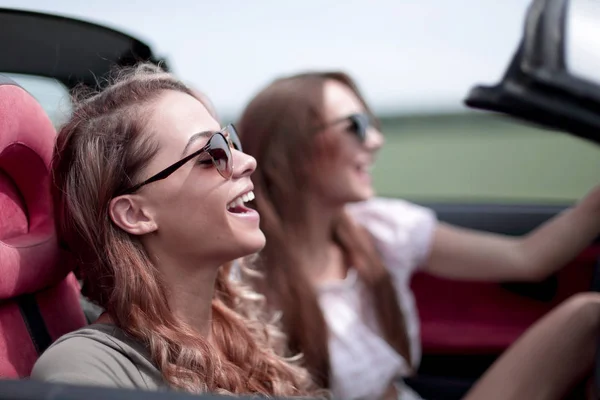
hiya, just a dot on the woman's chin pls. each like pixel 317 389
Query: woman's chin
pixel 356 196
pixel 363 193
pixel 361 188
pixel 252 243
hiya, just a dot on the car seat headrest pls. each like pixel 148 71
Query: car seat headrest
pixel 29 254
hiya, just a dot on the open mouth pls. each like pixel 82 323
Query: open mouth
pixel 239 204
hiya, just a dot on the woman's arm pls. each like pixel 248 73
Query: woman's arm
pixel 472 255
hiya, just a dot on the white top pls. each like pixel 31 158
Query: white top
pixel 363 364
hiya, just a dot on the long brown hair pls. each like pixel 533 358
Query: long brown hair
pixel 99 152
pixel 278 129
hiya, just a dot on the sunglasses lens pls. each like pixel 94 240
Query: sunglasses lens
pixel 233 136
pixel 221 155
pixel 360 124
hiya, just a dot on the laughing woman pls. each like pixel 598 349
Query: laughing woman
pixel 338 260
pixel 147 193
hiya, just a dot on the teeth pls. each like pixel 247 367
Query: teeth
pixel 239 201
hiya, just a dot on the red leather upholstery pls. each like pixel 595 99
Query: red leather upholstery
pixel 33 272
pixel 468 318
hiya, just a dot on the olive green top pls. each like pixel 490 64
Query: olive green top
pixel 99 355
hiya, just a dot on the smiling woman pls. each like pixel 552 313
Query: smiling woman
pixel 143 202
pixel 339 261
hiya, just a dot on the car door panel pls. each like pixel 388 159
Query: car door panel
pixel 466 325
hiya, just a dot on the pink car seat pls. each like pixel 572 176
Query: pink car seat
pixel 39 296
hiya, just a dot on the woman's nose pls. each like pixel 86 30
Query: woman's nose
pixel 243 164
pixel 374 139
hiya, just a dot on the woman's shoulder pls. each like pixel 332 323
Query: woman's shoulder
pixel 402 230
pixel 97 355
pixel 390 212
pixel 95 337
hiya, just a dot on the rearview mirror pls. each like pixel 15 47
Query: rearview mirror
pixel 553 79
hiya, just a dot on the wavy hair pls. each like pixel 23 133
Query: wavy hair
pixel 100 152
pixel 279 128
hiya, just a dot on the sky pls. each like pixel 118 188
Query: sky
pixel 406 55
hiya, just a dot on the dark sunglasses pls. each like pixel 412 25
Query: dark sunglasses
pixel 359 123
pixel 218 151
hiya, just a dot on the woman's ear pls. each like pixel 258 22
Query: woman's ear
pixel 129 214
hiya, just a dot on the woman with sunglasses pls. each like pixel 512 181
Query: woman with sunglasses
pixel 338 261
pixel 149 195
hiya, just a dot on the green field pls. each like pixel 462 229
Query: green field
pixel 479 157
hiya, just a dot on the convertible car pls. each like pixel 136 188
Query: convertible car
pixel 552 81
